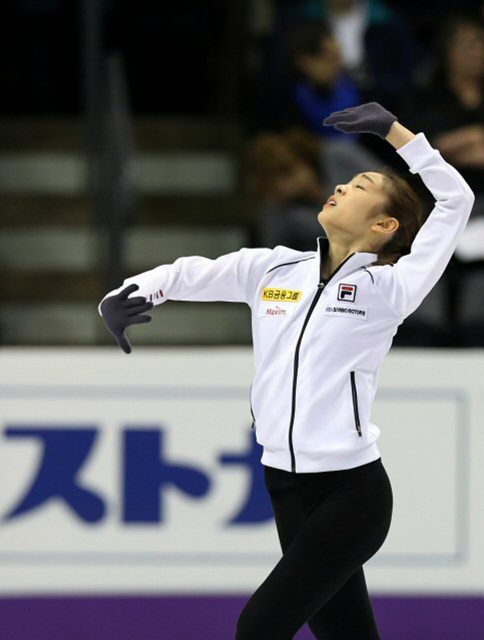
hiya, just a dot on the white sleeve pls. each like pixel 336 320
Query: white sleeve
pixel 405 284
pixel 230 278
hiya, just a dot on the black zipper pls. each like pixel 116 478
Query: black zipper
pixel 321 287
pixel 354 394
pixel 296 368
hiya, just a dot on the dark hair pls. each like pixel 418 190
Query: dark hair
pixel 403 204
pixel 304 39
pixel 270 155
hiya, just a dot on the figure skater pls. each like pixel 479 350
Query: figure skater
pixel 322 321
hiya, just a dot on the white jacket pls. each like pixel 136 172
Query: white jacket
pixel 318 347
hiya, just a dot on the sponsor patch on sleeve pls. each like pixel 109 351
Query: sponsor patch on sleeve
pixel 157 295
pixel 282 295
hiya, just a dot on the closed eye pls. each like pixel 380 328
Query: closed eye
pixel 358 186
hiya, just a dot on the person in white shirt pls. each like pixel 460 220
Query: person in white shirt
pixel 322 321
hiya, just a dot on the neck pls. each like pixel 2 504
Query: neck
pixel 339 252
pixel 333 259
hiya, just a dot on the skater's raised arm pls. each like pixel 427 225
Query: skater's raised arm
pixel 405 283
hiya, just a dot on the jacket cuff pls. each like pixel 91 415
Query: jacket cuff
pixel 416 152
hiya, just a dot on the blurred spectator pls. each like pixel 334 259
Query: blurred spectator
pixel 424 17
pixel 450 109
pixel 291 174
pixel 450 106
pixel 313 83
pixel 285 175
pixel 377 45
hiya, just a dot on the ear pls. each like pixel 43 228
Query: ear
pixel 386 225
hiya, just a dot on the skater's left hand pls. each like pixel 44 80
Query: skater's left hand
pixel 120 311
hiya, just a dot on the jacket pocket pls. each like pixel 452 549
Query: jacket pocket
pixel 253 427
pixel 354 395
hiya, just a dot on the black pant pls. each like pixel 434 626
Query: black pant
pixel 329 525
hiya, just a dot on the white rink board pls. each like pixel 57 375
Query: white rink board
pixel 192 405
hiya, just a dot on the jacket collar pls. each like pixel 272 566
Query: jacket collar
pixel 353 262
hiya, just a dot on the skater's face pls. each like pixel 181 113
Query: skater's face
pixel 355 211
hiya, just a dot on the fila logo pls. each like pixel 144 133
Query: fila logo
pixel 347 292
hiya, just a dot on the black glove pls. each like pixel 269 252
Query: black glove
pixel 119 312
pixel 367 118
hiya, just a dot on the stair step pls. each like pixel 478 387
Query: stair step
pixel 47 172
pixel 186 172
pixel 24 210
pixel 73 249
pixel 77 249
pixel 64 173
pixel 57 264
pixel 176 323
pixel 42 134
pixel 187 134
pixel 186 179
pixel 45 323
pixel 28 286
pixel 146 248
pixel 150 134
pixel 187 209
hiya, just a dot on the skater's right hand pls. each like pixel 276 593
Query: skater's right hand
pixel 366 118
pixel 120 311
